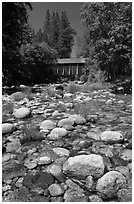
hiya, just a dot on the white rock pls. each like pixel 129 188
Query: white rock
pixel 7 128
pixel 61 151
pixel 22 112
pixel 126 155
pixel 47 125
pixel 120 102
pixel 85 165
pixel 78 119
pixel 68 95
pixel 57 133
pixel 44 160
pixel 111 136
pixel 55 190
pixel 109 102
pixel 65 121
pixel 110 183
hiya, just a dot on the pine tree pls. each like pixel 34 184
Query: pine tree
pixel 39 36
pixel 46 27
pixel 66 37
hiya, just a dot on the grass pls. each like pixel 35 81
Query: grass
pixel 30 133
pixel 51 92
pixel 86 88
pixel 7 108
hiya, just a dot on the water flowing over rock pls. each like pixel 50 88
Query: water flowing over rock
pixel 85 165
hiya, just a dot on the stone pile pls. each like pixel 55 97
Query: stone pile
pixel 54 153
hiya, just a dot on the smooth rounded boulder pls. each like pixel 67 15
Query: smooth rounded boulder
pixel 65 121
pixel 84 165
pixel 7 128
pixel 47 125
pixel 111 136
pixel 110 183
pixel 22 112
pixel 17 96
pixel 57 133
pixel 77 119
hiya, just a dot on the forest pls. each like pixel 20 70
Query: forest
pixel 106 42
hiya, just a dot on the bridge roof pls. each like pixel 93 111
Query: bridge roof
pixel 72 61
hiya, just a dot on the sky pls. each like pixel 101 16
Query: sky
pixel 37 15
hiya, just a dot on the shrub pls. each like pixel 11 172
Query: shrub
pixel 73 88
pixel 7 108
pixel 84 78
pixel 89 87
pixel 51 92
pixel 30 134
pixel 97 76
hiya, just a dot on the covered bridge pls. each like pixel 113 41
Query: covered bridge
pixel 69 67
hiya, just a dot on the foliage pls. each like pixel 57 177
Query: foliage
pixel 57 33
pixel 14 33
pixel 73 88
pixel 36 57
pixel 7 108
pixel 88 87
pixel 30 133
pixel 109 28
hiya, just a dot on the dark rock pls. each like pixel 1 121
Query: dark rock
pixel 19 195
pixel 40 179
pixel 12 169
pixel 40 199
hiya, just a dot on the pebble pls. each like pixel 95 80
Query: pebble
pixel 44 160
pixel 56 171
pixel 111 136
pixel 126 155
pixel 57 133
pixel 95 198
pixel 65 121
pixel 55 190
pixel 30 164
pixel 109 102
pixel 75 152
pixel 13 146
pixel 89 182
pixel 77 119
pixel 7 128
pixel 47 125
pixel 22 112
pixel 61 151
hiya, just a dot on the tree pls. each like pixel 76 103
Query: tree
pixel 14 26
pixel 39 36
pixel 66 37
pixel 36 58
pixel 58 33
pixel 46 27
pixel 109 25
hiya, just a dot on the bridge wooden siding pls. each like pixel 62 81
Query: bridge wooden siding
pixel 69 67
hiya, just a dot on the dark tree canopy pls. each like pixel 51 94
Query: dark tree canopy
pixel 57 32
pixel 14 33
pixel 109 31
pixel 23 60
